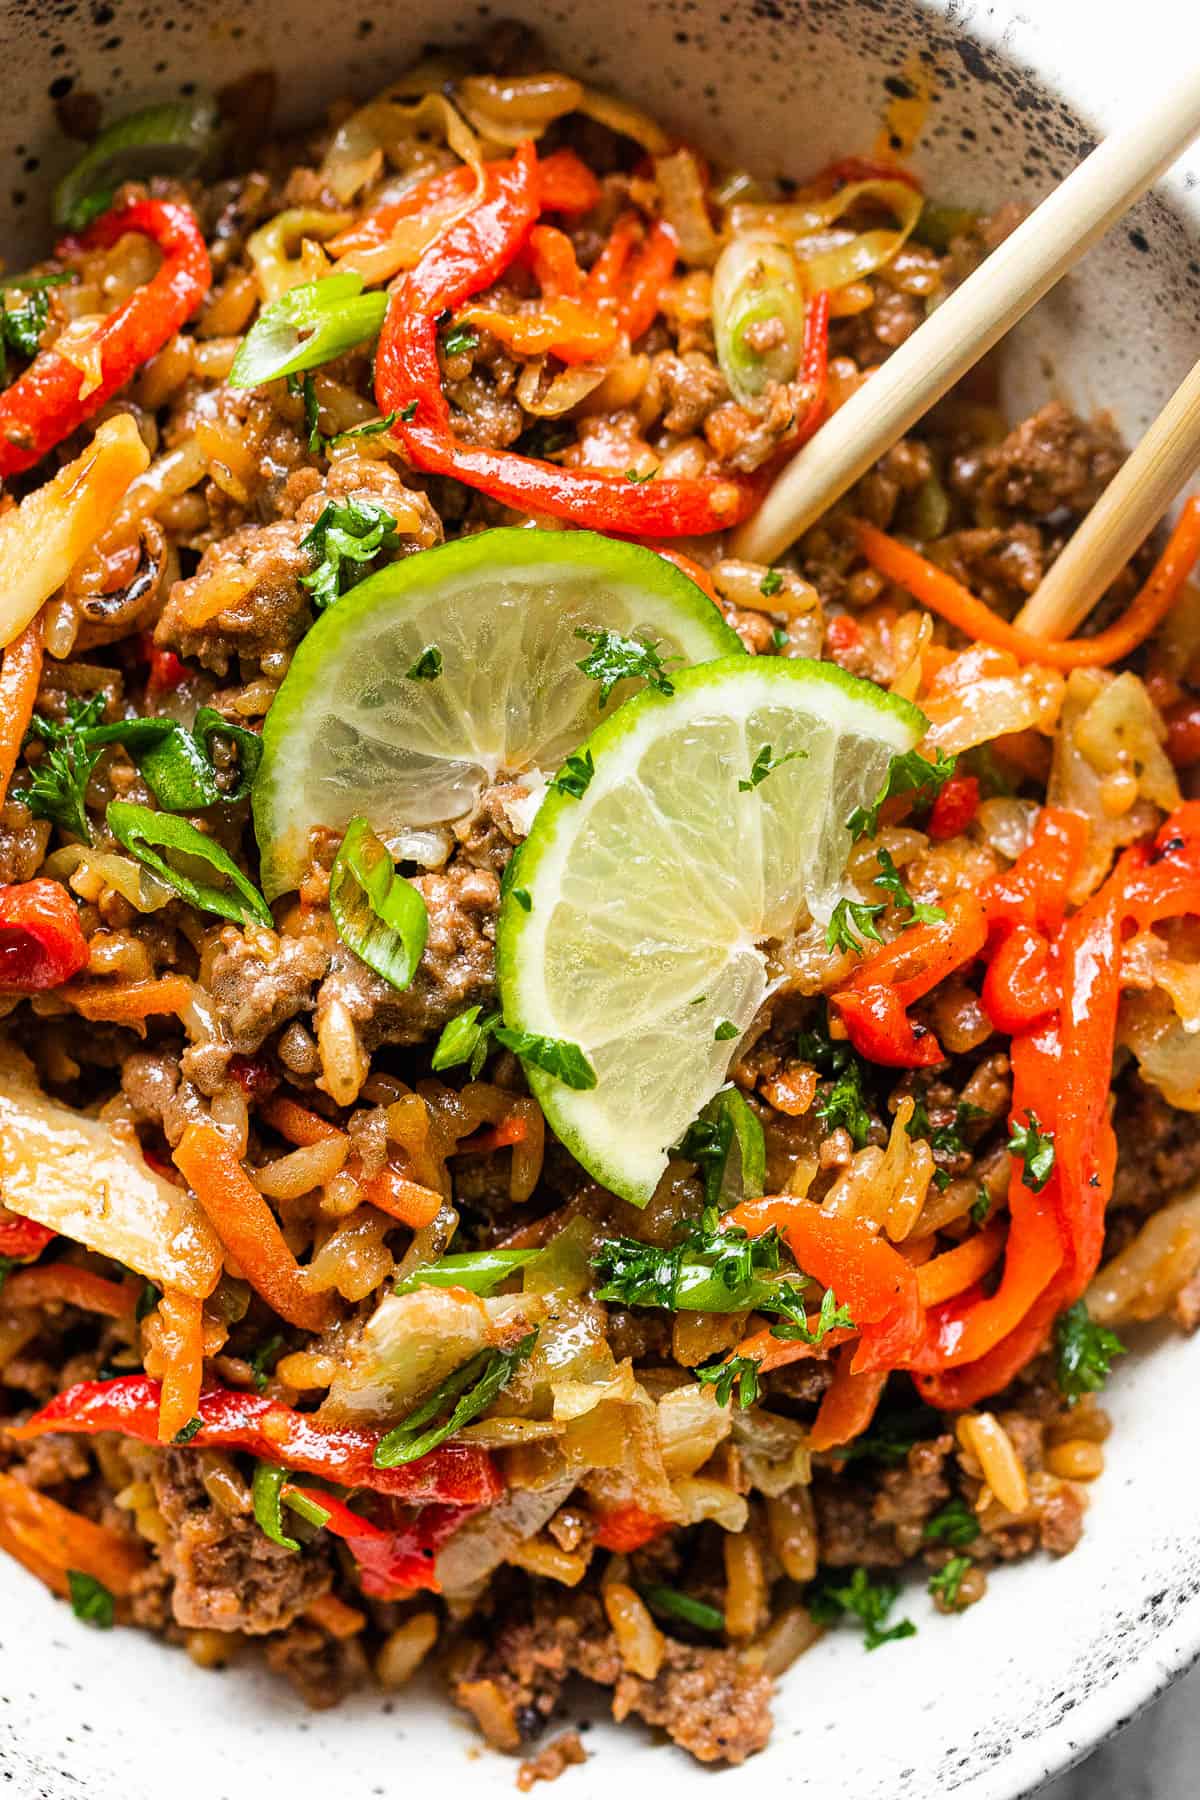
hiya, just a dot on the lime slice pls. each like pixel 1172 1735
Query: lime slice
pixel 353 730
pixel 653 896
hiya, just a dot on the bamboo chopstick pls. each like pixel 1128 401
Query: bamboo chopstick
pixel 1123 517
pixel 973 318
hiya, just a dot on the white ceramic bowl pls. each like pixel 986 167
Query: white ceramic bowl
pixel 986 1706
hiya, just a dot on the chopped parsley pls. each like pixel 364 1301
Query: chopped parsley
pixel 21 327
pixel 147 1300
pixel 892 1435
pixel 91 1601
pixel 831 1317
pixel 671 1604
pixel 460 340
pixel 910 773
pixel 771 583
pixel 726 1029
pixel 615 658
pixel 408 413
pixel 305 389
pixel 981 1208
pixel 58 781
pixel 638 479
pixel 945 1584
pixel 575 776
pixel 845 1106
pixel 766 764
pixel 556 1056
pixel 728 1121
pixel 1035 1148
pixel 187 1432
pixel 738 1373
pixel 892 883
pixel 868 1601
pixel 508 882
pixel 263 1361
pixel 779 638
pixel 956 1524
pixel 345 537
pixel 428 665
pixel 1084 1352
pixel 852 923
pixel 465 1040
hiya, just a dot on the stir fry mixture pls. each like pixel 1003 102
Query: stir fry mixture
pixel 571 1104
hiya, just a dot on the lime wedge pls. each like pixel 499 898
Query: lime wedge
pixel 654 896
pixel 357 728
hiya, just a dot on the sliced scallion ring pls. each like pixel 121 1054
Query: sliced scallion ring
pixel 309 325
pixel 175 137
pixel 379 915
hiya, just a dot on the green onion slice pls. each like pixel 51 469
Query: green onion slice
pixel 175 137
pixel 673 1605
pixel 756 283
pixel 308 326
pixel 479 1271
pixel 267 1491
pixel 459 1399
pixel 379 915
pixel 187 860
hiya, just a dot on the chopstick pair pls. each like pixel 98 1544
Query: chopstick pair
pixel 967 324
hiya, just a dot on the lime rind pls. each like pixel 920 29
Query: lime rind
pixel 350 732
pixel 653 894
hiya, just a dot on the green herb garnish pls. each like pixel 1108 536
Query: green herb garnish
pixel 345 537
pixel 948 1580
pixel 909 773
pixel 91 1601
pixel 1084 1352
pixel 956 1524
pixel 868 1601
pixel 556 1056
pixel 1035 1148
pixel 766 764
pixel 465 1040
pixel 615 658
pixel 671 1604
pixel 428 665
pixel 575 776
pixel 740 1373
pixel 458 1400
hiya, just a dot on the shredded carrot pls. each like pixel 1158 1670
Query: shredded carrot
pixel 20 674
pixel 775 1353
pixel 297 1123
pixel 402 1199
pixel 847 1405
pixel 512 1130
pixel 58 1539
pixel 71 1286
pixel 335 1616
pixel 958 1269
pixel 128 1002
pixel 941 593
pixel 247 1227
pixel 693 570
pixel 181 1318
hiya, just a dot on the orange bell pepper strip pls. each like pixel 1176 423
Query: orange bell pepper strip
pixel 1035 890
pixel 873 1005
pixel 66 1284
pixel 952 1390
pixel 942 594
pixel 128 1002
pixel 554 264
pixel 954 1271
pixel 20 677
pixel 1020 986
pixel 50 1539
pixel 181 1322
pixel 566 328
pixel 866 1274
pixel 247 1227
pixel 848 1404
pixel 627 1528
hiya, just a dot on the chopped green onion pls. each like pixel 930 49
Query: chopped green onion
pixel 479 1271
pixel 556 1056
pixel 758 313
pixel 379 915
pixel 308 326
pixel 307 1509
pixel 673 1605
pixel 267 1491
pixel 90 1600
pixel 459 1399
pixel 465 1040
pixel 180 855
pixel 727 1123
pixel 175 137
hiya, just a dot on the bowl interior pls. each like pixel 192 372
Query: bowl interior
pixel 988 1704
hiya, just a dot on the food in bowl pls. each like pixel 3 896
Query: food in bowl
pixel 571 1104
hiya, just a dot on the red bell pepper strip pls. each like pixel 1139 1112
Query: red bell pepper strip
pixel 565 185
pixel 392 1562
pixel 954 809
pixel 22 1238
pixel 627 1528
pixel 1020 987
pixel 41 943
pixel 554 263
pixel 873 1005
pixel 651 270
pixel 44 405
pixel 862 168
pixel 848 1404
pixel 865 1273
pixel 464 260
pixel 459 1474
pixel 1035 890
pixel 814 368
